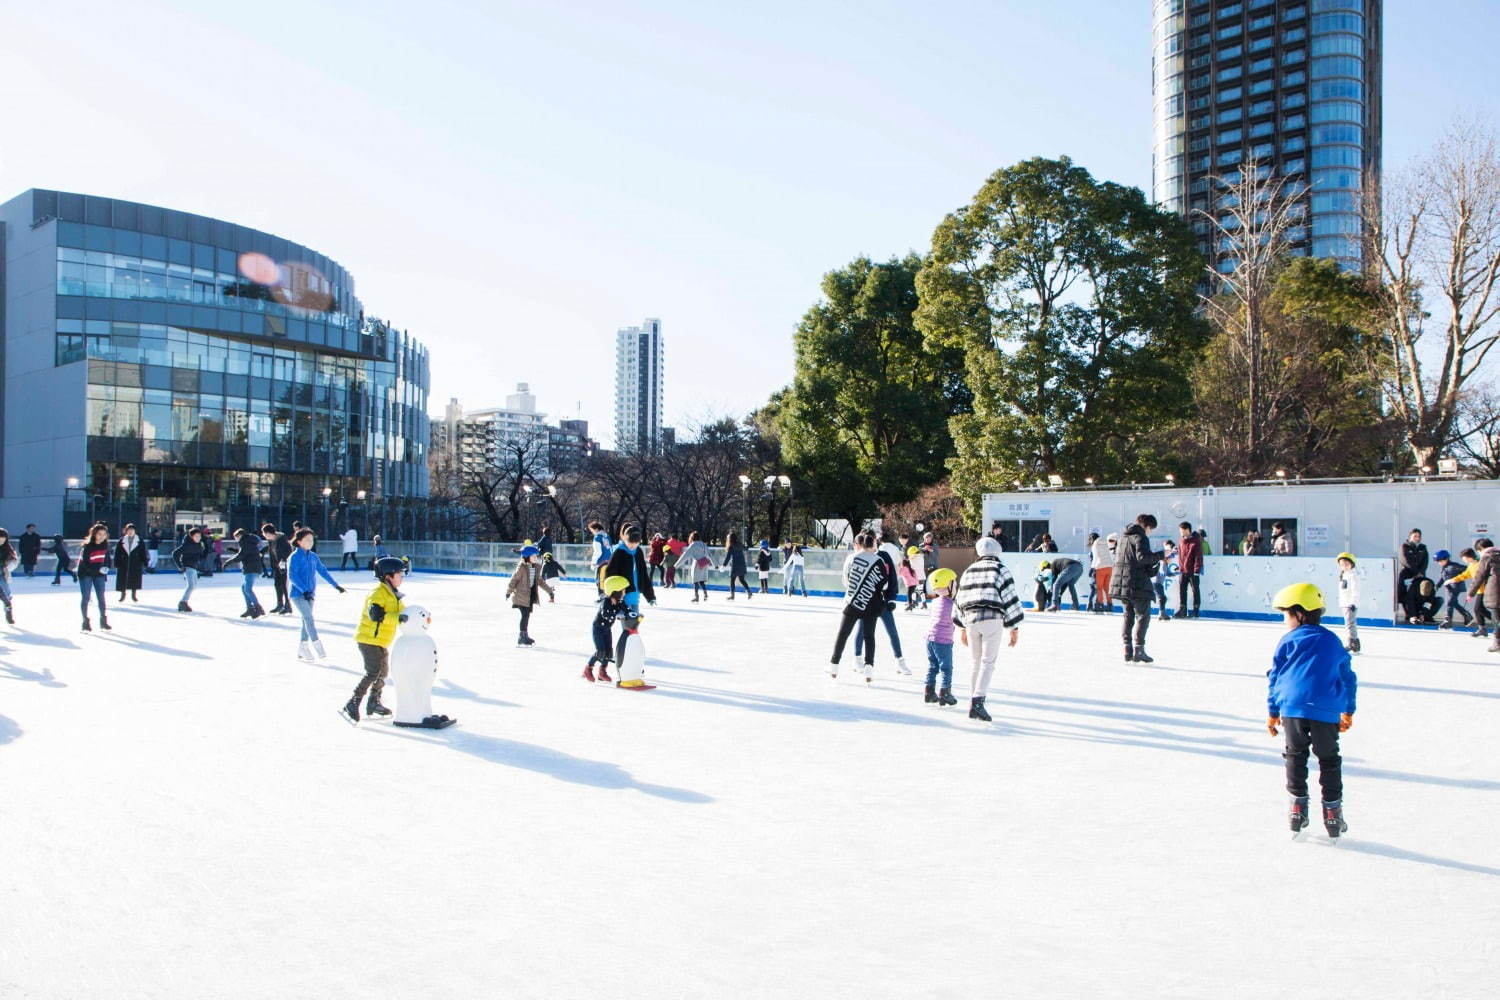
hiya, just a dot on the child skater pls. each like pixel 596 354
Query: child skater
pixel 1471 566
pixel 1311 694
pixel 377 629
pixel 910 580
pixel 763 566
pixel 1349 600
pixel 1448 571
pixel 940 638
pixel 611 606
pixel 8 558
pixel 522 591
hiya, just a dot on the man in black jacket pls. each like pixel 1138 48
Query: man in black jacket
pixel 1135 565
pixel 30 547
pixel 1413 566
pixel 278 551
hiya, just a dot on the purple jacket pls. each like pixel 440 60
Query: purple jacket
pixel 941 631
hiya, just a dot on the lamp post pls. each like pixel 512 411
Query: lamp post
pixel 745 506
pixel 327 492
pixel 120 507
pixel 364 513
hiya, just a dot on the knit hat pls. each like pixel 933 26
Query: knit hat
pixel 987 546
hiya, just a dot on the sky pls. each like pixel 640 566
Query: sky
pixel 513 184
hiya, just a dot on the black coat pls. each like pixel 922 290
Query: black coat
pixel 1135 565
pixel 278 551
pixel 1414 558
pixel 734 558
pixel 130 567
pixel 620 565
pixel 248 558
pixel 189 554
pixel 30 546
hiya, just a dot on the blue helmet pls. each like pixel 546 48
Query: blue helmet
pixel 1442 554
pixel 528 551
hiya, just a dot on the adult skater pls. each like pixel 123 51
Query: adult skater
pixel 734 558
pixel 8 558
pixel 794 572
pixel 694 564
pixel 1413 563
pixel 278 551
pixel 673 551
pixel 602 548
pixel 864 599
pixel 130 563
pixel 1066 572
pixel 153 549
pixel 30 547
pixel 987 607
pixel 657 558
pixel 1486 582
pixel 887 615
pixel 189 558
pixel 522 591
pixel 64 563
pixel 628 560
pixel 251 565
pixel 1101 566
pixel 1135 565
pixel 1190 568
pixel 1311 681
pixel 93 567
pixel 302 571
pixel 377 629
pixel 348 548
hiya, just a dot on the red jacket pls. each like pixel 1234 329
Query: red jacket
pixel 1190 556
pixel 657 545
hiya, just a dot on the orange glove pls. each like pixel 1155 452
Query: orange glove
pixel 963 636
pixel 1346 720
pixel 1014 635
pixel 1271 723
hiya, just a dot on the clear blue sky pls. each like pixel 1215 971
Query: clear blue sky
pixel 514 184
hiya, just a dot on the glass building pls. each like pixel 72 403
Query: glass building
pixel 168 367
pixel 1293 85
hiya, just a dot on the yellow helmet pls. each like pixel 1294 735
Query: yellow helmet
pixel 615 584
pixel 1045 564
pixel 1298 595
pixel 1345 555
pixel 913 550
pixel 941 578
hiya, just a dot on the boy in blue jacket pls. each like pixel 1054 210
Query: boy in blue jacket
pixel 1312 695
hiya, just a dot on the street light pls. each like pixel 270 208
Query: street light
pixel 745 497
pixel 120 508
pixel 327 492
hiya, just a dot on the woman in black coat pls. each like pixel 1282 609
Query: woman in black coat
pixel 130 563
pixel 734 558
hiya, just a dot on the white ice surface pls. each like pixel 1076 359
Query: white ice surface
pixel 182 814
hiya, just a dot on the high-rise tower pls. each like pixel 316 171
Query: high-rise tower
pixel 1293 85
pixel 638 387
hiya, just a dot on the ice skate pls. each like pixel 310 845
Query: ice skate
pixel 305 651
pixel 245 613
pixel 869 673
pixel 350 711
pixel 901 667
pixel 1333 819
pixel 588 673
pixel 86 626
pixel 1129 653
pixel 183 607
pixel 104 624
pixel 1353 646
pixel 1141 657
pixel 374 708
pixel 10 615
pixel 604 674
pixel 945 697
pixel 929 695
pixel 317 648
pixel 1300 816
pixel 833 670
pixel 977 710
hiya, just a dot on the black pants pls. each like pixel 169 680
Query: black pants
pixel 377 665
pixel 866 621
pixel 1323 739
pixel 1137 614
pixel 525 618
pixel 659 572
pixel 603 645
pixel 280 582
pixel 1456 603
pixel 733 576
pixel 1183 583
pixel 705 590
pixel 348 556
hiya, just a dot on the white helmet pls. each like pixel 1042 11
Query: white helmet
pixel 415 620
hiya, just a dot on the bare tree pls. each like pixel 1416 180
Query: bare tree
pixel 496 488
pixel 1251 222
pixel 1435 245
pixel 1477 435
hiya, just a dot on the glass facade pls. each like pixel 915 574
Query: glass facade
pixel 225 366
pixel 1293 85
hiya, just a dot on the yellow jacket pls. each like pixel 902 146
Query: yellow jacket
pixel 381 618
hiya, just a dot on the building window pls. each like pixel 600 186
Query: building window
pixel 1263 43
pixel 1229 94
pixel 1291 122
pixel 1262 108
pixel 1292 35
pixel 1294 78
pixel 1260 129
pixel 1230 52
pixel 1292 144
pixel 1262 65
pixel 1230 115
pixel 1293 166
pixel 1230 73
pixel 1294 100
pixel 1229 136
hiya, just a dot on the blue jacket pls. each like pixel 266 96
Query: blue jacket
pixel 1310 676
pixel 602 549
pixel 303 570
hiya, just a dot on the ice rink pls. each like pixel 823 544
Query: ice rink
pixel 183 814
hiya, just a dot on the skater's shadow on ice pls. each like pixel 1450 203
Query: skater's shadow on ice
pixel 831 711
pixel 1428 690
pixel 653 662
pixel 562 766
pixel 1135 713
pixel 10 730
pixel 33 639
pixel 45 678
pixel 1402 854
pixel 122 640
pixel 452 690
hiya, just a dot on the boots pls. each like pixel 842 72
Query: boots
pixel 604 673
pixel 945 697
pixel 976 710
pixel 1129 653
pixel 1333 819
pixel 901 667
pixel 350 710
pixel 10 615
pixel 373 707
pixel 104 623
pixel 305 651
pixel 1141 657
pixel 525 640
pixel 245 613
pixel 929 695
pixel 86 626
pixel 588 673
pixel 1353 646
pixel 317 647
pixel 1300 814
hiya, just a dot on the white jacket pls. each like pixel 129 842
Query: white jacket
pixel 1099 557
pixel 350 539
pixel 1348 589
